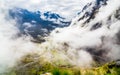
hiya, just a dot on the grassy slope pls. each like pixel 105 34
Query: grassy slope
pixel 41 67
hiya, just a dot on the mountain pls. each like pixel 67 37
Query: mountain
pixel 90 10
pixel 37 24
pixel 94 34
pixel 85 43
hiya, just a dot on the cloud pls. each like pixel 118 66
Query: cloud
pixel 100 43
pixel 66 8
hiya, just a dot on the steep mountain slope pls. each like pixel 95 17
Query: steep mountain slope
pixel 93 35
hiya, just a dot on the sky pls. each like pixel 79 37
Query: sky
pixel 66 8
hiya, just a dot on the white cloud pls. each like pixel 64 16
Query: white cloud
pixel 66 8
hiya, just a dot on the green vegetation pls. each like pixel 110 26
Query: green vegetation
pixel 29 66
